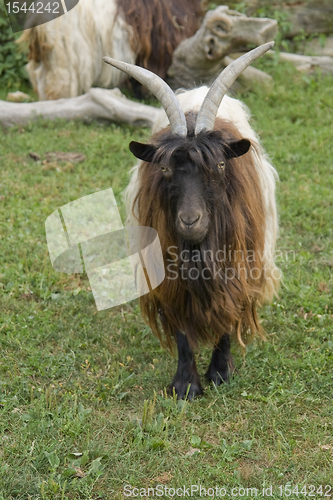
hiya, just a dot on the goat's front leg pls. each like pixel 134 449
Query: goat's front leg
pixel 221 365
pixel 186 371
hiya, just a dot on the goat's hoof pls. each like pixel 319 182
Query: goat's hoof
pixel 182 390
pixel 220 375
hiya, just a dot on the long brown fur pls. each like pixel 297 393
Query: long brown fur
pixel 205 309
pixel 159 26
pixel 35 41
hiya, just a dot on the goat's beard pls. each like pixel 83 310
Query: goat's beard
pixel 207 290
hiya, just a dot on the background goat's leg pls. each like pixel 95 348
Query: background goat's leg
pixel 221 365
pixel 186 371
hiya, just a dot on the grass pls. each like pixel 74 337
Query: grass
pixel 83 411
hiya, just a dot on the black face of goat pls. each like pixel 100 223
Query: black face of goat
pixel 193 169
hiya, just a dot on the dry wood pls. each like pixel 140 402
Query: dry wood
pixel 96 104
pixel 309 16
pixel 308 64
pixel 199 59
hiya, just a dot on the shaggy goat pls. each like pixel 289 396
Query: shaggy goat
pixel 207 188
pixel 65 55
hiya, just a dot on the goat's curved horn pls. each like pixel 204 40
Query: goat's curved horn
pixel 159 89
pixel 208 111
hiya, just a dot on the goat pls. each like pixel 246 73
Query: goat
pixel 65 55
pixel 205 184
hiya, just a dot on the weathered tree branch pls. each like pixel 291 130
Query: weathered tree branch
pixel 96 104
pixel 308 64
pixel 305 16
pixel 199 59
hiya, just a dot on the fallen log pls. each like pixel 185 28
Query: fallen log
pixel 98 103
pixel 300 16
pixel 308 64
pixel 200 58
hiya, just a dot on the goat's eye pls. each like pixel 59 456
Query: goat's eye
pixel 221 165
pixel 166 171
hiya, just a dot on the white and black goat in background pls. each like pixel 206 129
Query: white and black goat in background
pixel 206 186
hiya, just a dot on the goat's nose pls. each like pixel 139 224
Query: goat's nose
pixel 189 219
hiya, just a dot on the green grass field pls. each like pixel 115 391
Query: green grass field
pixel 83 409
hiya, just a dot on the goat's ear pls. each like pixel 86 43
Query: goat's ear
pixel 237 148
pixel 144 152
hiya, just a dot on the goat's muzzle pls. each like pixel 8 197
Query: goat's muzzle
pixel 192 226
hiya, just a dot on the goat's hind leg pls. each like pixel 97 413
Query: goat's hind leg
pixel 186 371
pixel 221 366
